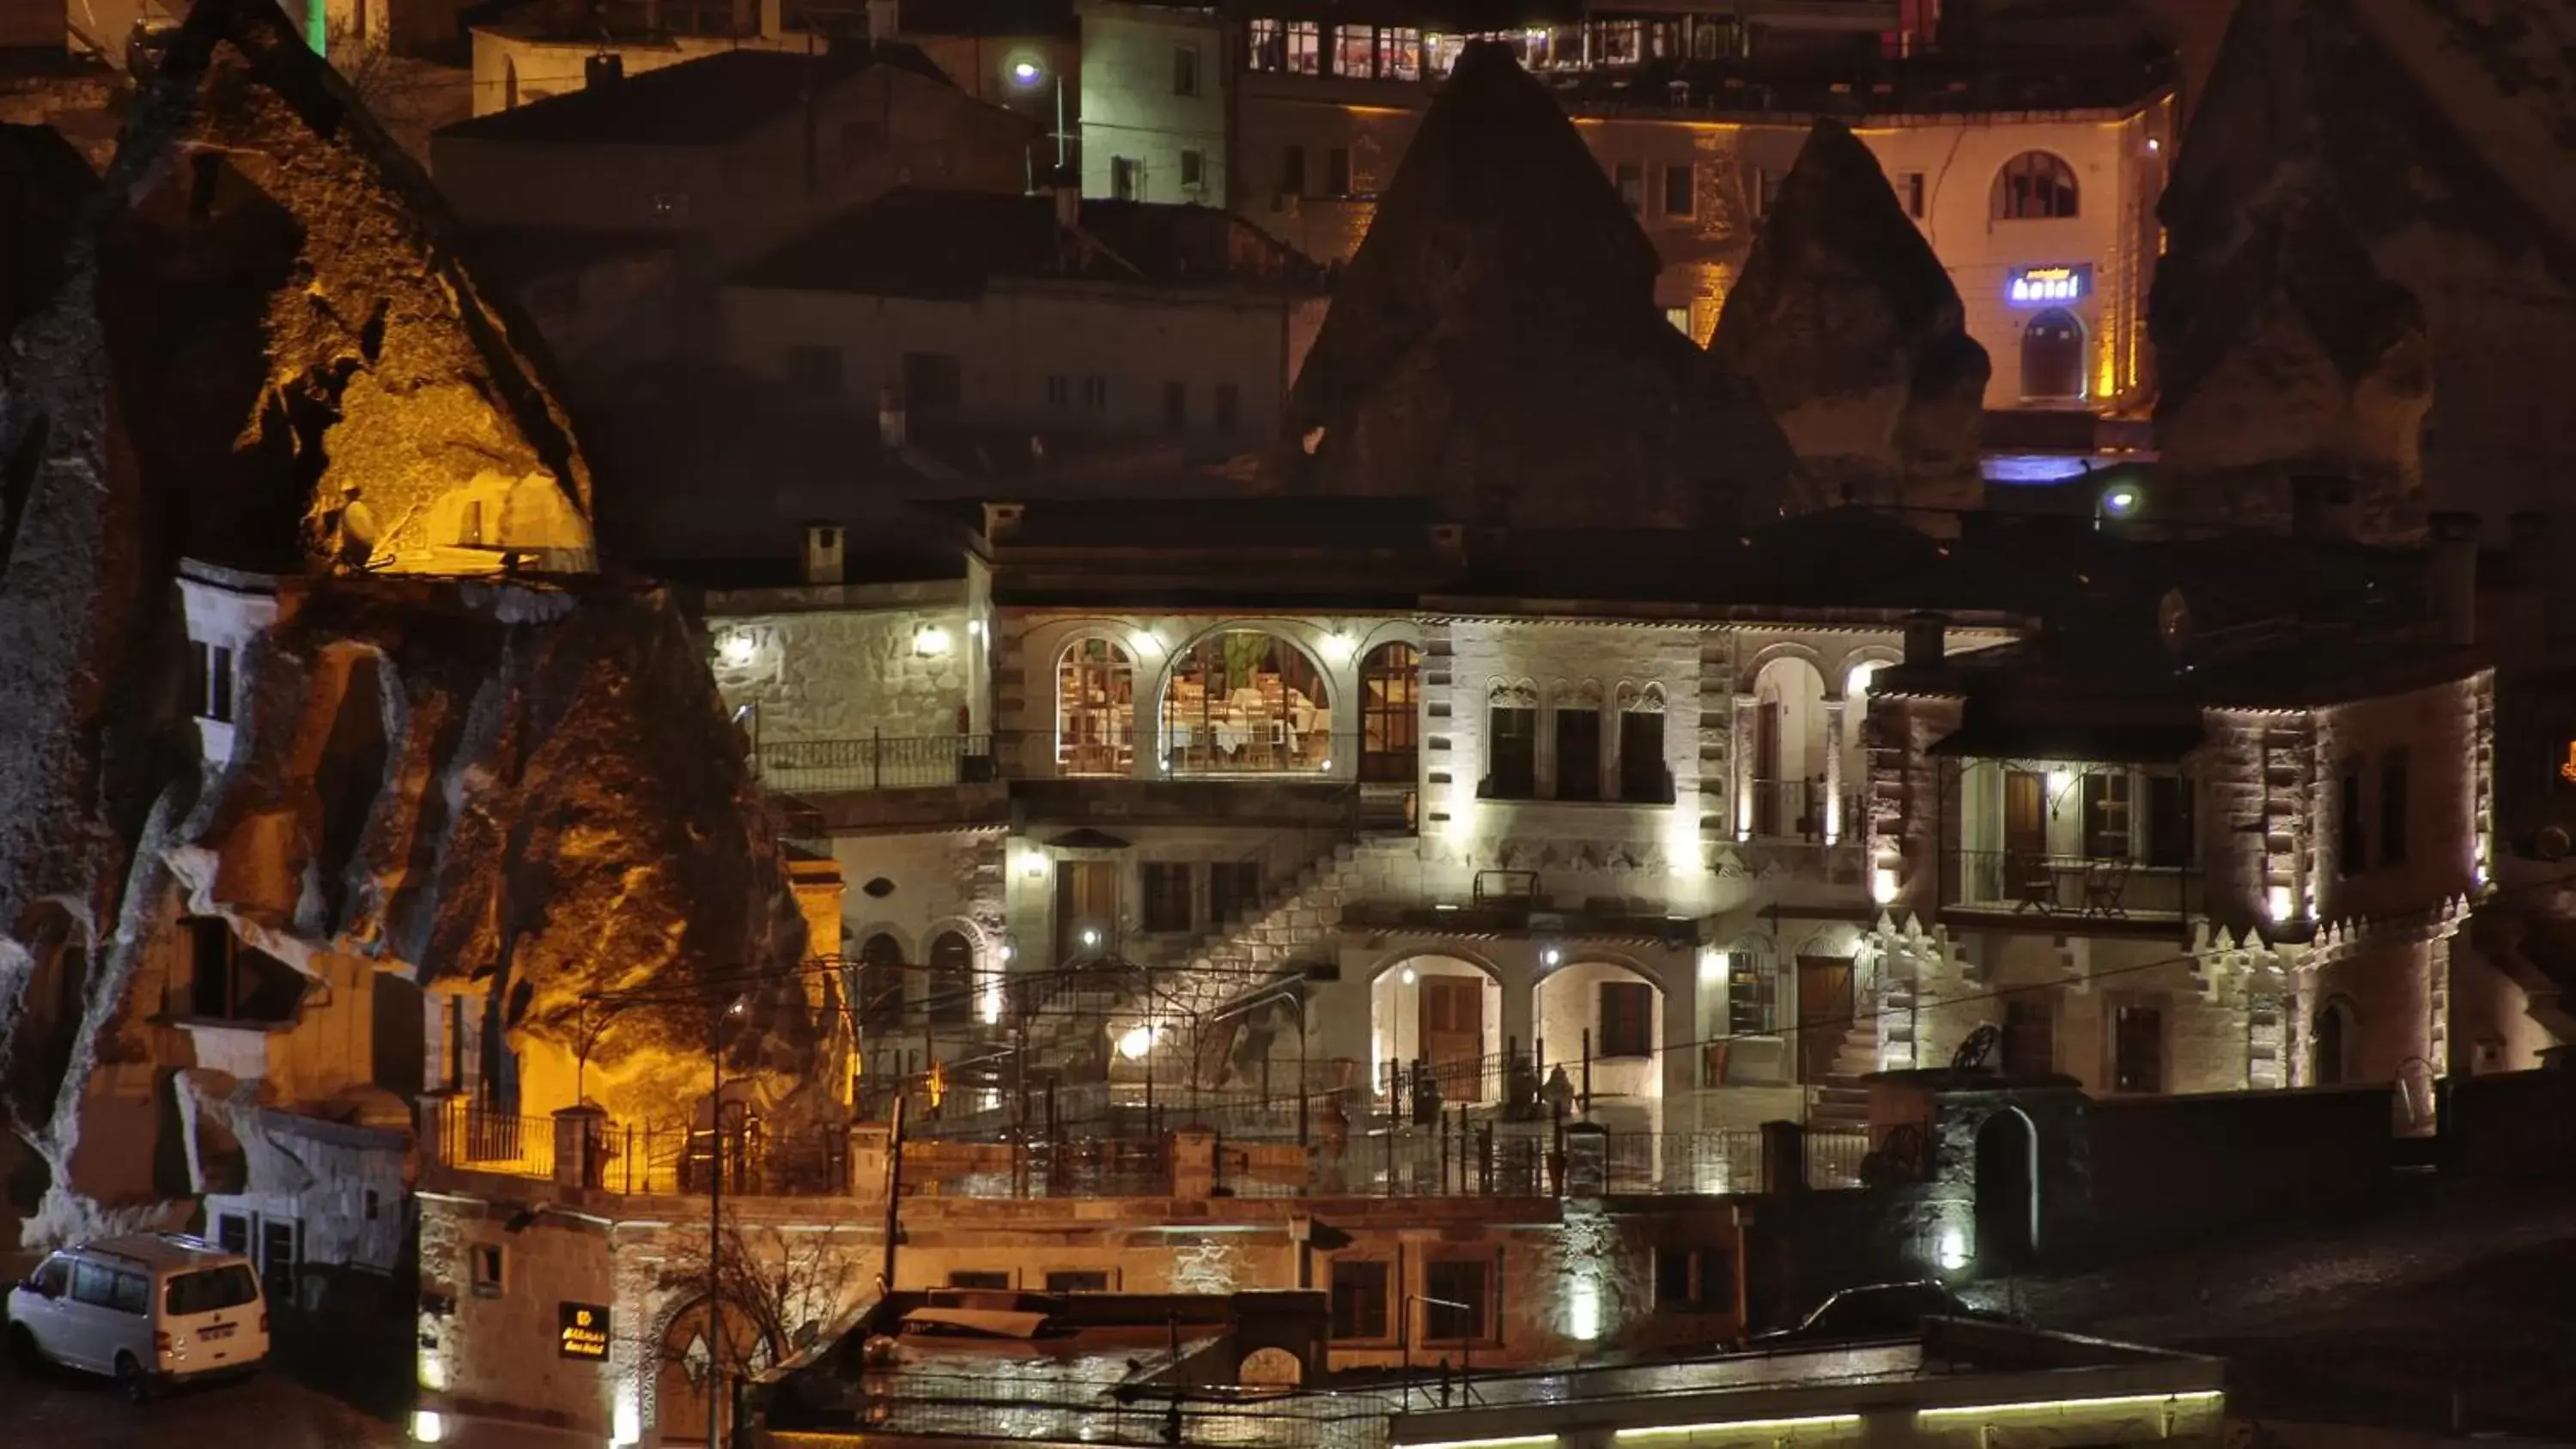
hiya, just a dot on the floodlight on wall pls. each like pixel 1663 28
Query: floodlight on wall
pixel 1954 1250
pixel 1027 72
pixel 428 1426
pixel 1339 647
pixel 930 641
pixel 1406 976
pixel 1136 1041
pixel 1033 864
pixel 1091 938
pixel 2280 903
pixel 1882 886
pixel 1550 957
pixel 433 1370
pixel 1145 642
pixel 736 648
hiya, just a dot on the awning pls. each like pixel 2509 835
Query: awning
pixel 1087 839
pixel 2079 742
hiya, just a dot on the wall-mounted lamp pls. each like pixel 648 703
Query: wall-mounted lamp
pixel 1145 643
pixel 736 647
pixel 1136 1042
pixel 1027 72
pixel 930 641
pixel 1550 957
pixel 1339 647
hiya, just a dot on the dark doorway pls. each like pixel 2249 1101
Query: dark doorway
pixel 2030 1039
pixel 1452 1031
pixel 2328 1065
pixel 2052 357
pixel 950 991
pixel 2007 1193
pixel 1086 910
pixel 1824 1013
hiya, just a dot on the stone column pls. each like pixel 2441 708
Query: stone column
pixel 1587 1159
pixel 1834 822
pixel 869 1145
pixel 1739 762
pixel 578 1133
pixel 1784 1159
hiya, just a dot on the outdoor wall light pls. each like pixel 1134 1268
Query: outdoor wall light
pixel 1033 865
pixel 930 641
pixel 1145 643
pixel 1954 1250
pixel 2280 903
pixel 2120 501
pixel 1339 647
pixel 1090 937
pixel 1026 72
pixel 1406 976
pixel 1136 1042
pixel 1882 886
pixel 736 648
pixel 1550 956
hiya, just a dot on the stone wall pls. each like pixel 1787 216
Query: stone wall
pixel 847 663
pixel 2175 1170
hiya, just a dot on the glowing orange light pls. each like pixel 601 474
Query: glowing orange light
pixel 2568 771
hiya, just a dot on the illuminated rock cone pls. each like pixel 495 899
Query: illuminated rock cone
pixel 327 387
pixel 1847 325
pixel 2348 163
pixel 1495 342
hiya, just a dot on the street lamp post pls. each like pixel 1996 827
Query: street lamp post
pixel 718 1397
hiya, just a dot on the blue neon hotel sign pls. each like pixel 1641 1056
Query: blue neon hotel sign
pixel 2048 286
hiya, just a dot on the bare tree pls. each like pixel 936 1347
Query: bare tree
pixel 788 1284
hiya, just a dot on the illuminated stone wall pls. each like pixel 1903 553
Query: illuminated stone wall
pixel 901 661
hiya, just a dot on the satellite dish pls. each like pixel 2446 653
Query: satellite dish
pixel 2173 622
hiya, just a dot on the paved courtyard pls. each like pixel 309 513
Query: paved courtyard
pixel 273 1411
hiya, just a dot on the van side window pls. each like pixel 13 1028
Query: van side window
pixel 105 1287
pixel 55 1278
pixel 132 1294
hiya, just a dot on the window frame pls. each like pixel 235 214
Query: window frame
pixel 2395 786
pixel 1164 896
pixel 1686 173
pixel 1511 773
pixel 2031 185
pixel 1185 70
pixel 1486 1300
pixel 1380 1303
pixel 1632 1040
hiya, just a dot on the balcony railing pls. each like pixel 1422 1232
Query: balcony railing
pixel 878 762
pixel 1795 810
pixel 2059 886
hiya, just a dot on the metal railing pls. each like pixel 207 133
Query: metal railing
pixel 1795 810
pixel 2058 886
pixel 1834 1156
pixel 1722 1161
pixel 878 762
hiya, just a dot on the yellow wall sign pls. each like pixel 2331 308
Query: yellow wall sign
pixel 584 1332
pixel 2567 771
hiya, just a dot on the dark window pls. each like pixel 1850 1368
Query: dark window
pixel 934 386
pixel 1193 168
pixel 1059 390
pixel 2106 816
pixel 1693 1280
pixel 1095 394
pixel 2032 186
pixel 1229 408
pixel 2030 1039
pixel 1185 70
pixel 232 1233
pixel 1176 406
pixel 1909 193
pixel 1337 172
pixel 878 990
pixel 1166 885
pixel 232 982
pixel 1126 178
pixel 2352 828
pixel 1752 994
pixel 210 681
pixel 1627 1019
pixel 1681 189
pixel 1390 722
pixel 280 1249
pixel 1079 1280
pixel 814 371
pixel 1454 1282
pixel 485 1263
pixel 1511 747
pixel 1632 185
pixel 2392 807
pixel 1234 887
pixel 978 1278
pixel 1766 190
pixel 1359 1299
pixel 55 1278
pixel 372 1204
pixel 2137 1049
pixel 1578 753
pixel 1642 776
pixel 2052 355
pixel 1292 171
pixel 2170 828
pixel 94 1284
pixel 948 991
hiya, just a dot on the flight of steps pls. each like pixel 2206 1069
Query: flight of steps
pixel 1840 1100
pixel 1294 926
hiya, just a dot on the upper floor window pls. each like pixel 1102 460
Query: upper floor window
pixel 1399 53
pixel 1578 743
pixel 2392 807
pixel 1095 709
pixel 1245 700
pixel 1305 47
pixel 1185 70
pixel 2352 828
pixel 2032 186
pixel 876 987
pixel 1681 189
pixel 1354 50
pixel 210 681
pixel 1265 46
pixel 1631 179
pixel 1643 777
pixel 1511 741
pixel 1909 193
pixel 948 990
pixel 1390 718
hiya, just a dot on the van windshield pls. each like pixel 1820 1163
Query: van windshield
pixel 208 1289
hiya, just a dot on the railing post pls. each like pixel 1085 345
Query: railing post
pixel 876 759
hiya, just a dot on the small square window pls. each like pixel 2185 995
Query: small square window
pixel 1459 1306
pixel 1359 1299
pixel 1059 390
pixel 1077 1280
pixel 979 1278
pixel 489 1264
pixel 1681 189
pixel 1909 193
pixel 1194 168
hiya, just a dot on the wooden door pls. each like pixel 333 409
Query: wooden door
pixel 1086 901
pixel 2025 814
pixel 1453 1034
pixel 1824 1013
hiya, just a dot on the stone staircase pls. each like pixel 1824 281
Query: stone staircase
pixel 1293 927
pixel 1840 1100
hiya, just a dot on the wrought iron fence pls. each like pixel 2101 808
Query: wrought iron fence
pixel 1726 1160
pixel 1834 1156
pixel 2056 885
pixel 878 762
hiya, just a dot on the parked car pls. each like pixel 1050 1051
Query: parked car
pixel 151 1310
pixel 1880 1310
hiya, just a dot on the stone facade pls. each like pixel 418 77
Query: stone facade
pixel 836 662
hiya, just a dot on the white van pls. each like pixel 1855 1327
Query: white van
pixel 150 1309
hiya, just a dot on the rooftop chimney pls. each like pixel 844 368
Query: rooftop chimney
pixel 2451 583
pixel 882 22
pixel 2320 507
pixel 825 545
pixel 890 429
pixel 1923 639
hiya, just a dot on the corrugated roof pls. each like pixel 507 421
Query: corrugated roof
pixel 708 102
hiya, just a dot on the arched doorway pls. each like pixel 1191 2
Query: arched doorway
pixel 2007 1192
pixel 1619 1014
pixel 949 992
pixel 1390 713
pixel 686 1382
pixel 2052 357
pixel 1095 722
pixel 509 85
pixel 877 990
pixel 2330 1045
pixel 1440 1011
pixel 1787 798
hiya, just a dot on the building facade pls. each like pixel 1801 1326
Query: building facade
pixel 2036 188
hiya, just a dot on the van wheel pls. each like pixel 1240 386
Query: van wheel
pixel 132 1381
pixel 22 1349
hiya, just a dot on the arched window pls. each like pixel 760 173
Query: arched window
pixel 877 986
pixel 1095 685
pixel 509 85
pixel 2052 357
pixel 2331 1044
pixel 1243 701
pixel 949 989
pixel 1578 741
pixel 2034 186
pixel 1390 713
pixel 1643 776
pixel 1511 740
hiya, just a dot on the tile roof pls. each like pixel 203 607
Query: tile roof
pixel 708 102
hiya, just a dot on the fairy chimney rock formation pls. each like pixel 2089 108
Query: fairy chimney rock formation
pixel 1495 342
pixel 2372 257
pixel 1848 326
pixel 329 388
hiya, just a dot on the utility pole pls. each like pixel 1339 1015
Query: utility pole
pixel 894 1192
pixel 716 1394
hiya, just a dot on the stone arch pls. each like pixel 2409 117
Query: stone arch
pixel 1247 696
pixel 2334 1039
pixel 1410 1019
pixel 876 989
pixel 2035 186
pixel 1389 708
pixel 2053 351
pixel 1094 684
pixel 1769 654
pixel 948 995
pixel 1787 751
pixel 1850 678
pixel 684 1363
pixel 1627 1044
pixel 2007 1189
